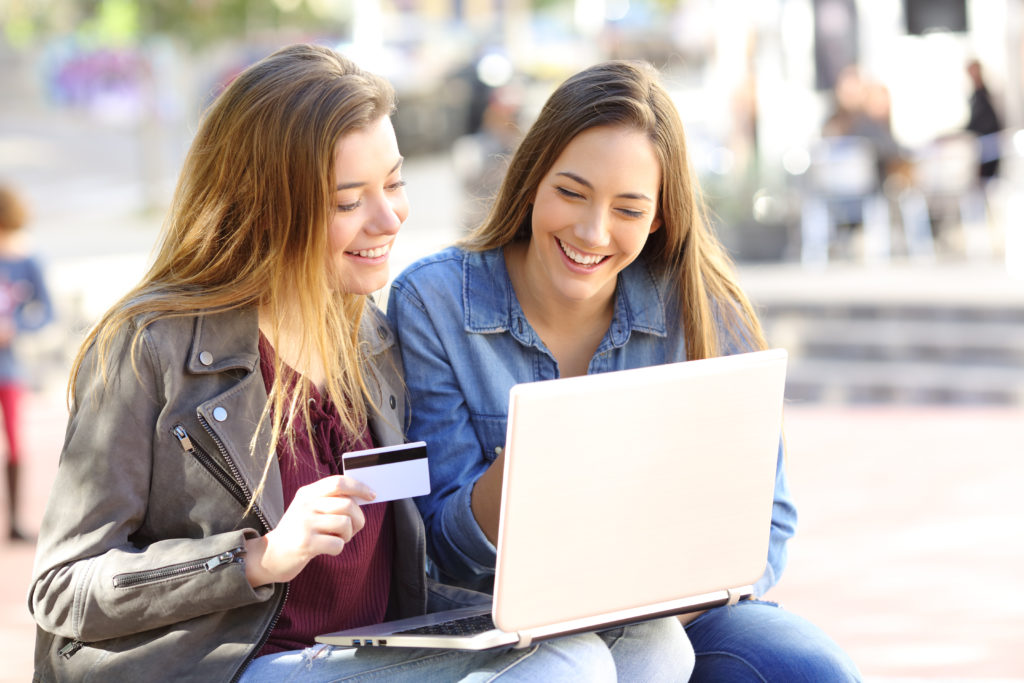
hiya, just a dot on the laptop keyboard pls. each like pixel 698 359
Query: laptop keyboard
pixel 464 626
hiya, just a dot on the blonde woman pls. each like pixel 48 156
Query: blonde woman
pixel 200 527
pixel 596 256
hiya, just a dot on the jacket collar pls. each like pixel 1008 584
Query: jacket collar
pixel 491 306
pixel 230 340
pixel 225 341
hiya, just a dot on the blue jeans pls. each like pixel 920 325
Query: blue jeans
pixel 756 640
pixel 582 657
pixel 650 651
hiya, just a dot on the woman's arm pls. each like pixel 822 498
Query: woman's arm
pixel 440 417
pixel 96 576
pixel 783 528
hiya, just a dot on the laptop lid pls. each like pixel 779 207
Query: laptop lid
pixel 628 491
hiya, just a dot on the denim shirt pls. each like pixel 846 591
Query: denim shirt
pixel 465 342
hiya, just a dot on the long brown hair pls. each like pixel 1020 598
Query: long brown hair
pixel 248 223
pixel 629 93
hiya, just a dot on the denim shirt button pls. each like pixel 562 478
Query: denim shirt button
pixel 220 414
pixel 498 450
pixel 392 402
pixel 206 358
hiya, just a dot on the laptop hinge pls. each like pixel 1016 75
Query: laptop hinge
pixel 525 639
pixel 734 596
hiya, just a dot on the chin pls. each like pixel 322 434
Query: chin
pixel 364 287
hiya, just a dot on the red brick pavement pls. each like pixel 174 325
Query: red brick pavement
pixel 909 551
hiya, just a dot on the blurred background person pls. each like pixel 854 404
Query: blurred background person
pixel 24 306
pixel 983 122
pixel 480 158
pixel 862 108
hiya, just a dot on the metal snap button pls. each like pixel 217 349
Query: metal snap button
pixel 206 358
pixel 220 414
pixel 392 402
pixel 498 450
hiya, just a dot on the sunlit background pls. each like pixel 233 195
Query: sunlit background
pixel 832 141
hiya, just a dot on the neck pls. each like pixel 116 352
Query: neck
pixel 548 307
pixel 10 242
pixel 571 329
pixel 285 335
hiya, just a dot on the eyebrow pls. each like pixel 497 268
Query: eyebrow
pixel 586 183
pixel 361 183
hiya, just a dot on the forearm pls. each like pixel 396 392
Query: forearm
pixel 486 499
pixel 125 591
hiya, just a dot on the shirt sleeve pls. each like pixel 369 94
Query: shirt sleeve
pixel 440 417
pixel 784 516
pixel 782 529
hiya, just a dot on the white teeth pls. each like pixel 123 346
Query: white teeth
pixel 372 253
pixel 583 260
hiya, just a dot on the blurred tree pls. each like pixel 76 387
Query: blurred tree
pixel 201 22
pixel 195 22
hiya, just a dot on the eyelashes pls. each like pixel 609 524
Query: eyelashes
pixel 570 194
pixel 393 187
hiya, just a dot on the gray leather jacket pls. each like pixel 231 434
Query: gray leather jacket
pixel 139 570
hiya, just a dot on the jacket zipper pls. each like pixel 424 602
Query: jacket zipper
pixel 133 579
pixel 236 490
pixel 236 475
pixel 266 635
pixel 69 650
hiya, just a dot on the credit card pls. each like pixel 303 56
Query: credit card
pixel 392 472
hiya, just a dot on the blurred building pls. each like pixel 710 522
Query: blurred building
pixel 754 79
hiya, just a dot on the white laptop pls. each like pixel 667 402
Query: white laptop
pixel 627 496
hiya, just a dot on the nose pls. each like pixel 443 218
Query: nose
pixel 593 229
pixel 391 214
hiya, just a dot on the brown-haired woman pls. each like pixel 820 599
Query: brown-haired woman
pixel 200 527
pixel 596 256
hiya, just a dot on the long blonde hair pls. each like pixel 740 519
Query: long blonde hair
pixel 248 226
pixel 629 93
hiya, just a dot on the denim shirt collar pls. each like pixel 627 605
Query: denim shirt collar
pixel 491 305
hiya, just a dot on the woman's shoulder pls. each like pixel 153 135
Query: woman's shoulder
pixel 445 264
pixel 176 337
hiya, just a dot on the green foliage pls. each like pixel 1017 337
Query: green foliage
pixel 194 22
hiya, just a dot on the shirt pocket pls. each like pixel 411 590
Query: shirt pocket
pixel 490 430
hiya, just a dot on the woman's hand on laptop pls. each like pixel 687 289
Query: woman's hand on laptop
pixel 321 519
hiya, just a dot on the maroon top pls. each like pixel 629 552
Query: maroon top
pixel 332 592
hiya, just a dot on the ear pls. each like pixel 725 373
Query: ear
pixel 655 224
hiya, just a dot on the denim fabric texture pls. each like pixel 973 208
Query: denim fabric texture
pixel 758 641
pixel 465 341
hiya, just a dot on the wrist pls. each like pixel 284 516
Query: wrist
pixel 255 573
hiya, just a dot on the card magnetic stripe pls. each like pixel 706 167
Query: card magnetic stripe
pixel 387 458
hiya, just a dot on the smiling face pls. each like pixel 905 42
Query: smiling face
pixel 370 207
pixel 592 214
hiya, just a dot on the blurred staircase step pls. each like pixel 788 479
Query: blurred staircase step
pixel 831 380
pixel 900 336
